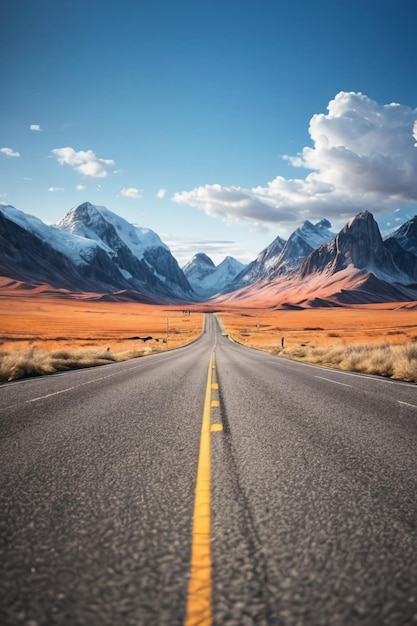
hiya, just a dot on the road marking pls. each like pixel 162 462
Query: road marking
pixel 375 377
pixel 214 385
pixel 216 427
pixel 407 404
pixel 199 587
pixel 215 403
pixel 55 393
pixel 336 382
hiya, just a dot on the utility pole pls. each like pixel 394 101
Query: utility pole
pixel 166 341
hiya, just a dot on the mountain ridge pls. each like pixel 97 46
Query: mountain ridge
pixel 93 250
pixel 207 279
pixel 356 266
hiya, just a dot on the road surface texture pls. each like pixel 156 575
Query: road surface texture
pixel 312 511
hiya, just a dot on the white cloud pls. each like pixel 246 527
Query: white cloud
pixel 184 249
pixel 9 152
pixel 35 127
pixel 85 161
pixel 161 193
pixel 131 192
pixel 232 203
pixel 363 157
pixel 53 189
pixel 80 187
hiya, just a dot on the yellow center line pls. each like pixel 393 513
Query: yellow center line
pixel 199 587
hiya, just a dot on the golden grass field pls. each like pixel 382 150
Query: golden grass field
pixel 321 327
pixel 373 339
pixel 42 334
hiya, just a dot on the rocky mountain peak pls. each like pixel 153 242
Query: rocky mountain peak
pixel 406 235
pixel 323 224
pixel 202 259
pixel 208 279
pixel 360 241
pixel 138 252
pixel 360 246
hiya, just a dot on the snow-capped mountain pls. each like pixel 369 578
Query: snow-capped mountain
pixel 207 279
pixel 262 265
pixel 360 245
pixel 92 249
pixel 282 256
pixel 36 253
pixel 301 243
pixel 133 249
pixel 86 253
pixel 406 235
pixel 356 266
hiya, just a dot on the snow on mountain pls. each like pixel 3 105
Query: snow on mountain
pixel 281 256
pixel 198 268
pixel 360 245
pixel 406 235
pixel 33 252
pixel 354 267
pixel 79 249
pixel 90 249
pixel 301 243
pixel 91 221
pixel 135 250
pixel 207 279
pixel 93 249
pixel 261 266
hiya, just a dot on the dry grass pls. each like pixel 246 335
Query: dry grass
pixel 372 340
pixel 41 335
pixel 393 361
pixel 36 362
pixel 45 335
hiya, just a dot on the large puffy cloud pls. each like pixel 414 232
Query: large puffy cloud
pixel 363 157
pixel 232 203
pixel 361 147
pixel 85 161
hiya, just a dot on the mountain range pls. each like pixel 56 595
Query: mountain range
pixel 91 249
pixel 207 279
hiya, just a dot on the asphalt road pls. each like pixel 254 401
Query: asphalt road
pixel 313 492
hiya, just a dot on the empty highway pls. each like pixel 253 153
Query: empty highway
pixel 213 484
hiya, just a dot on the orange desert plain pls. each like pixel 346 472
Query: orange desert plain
pixel 34 319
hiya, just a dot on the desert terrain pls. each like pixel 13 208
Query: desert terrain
pixel 375 339
pixel 43 332
pixel 264 328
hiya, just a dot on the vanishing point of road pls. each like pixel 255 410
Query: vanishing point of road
pixel 213 484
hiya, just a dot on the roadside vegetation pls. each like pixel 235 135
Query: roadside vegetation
pixel 373 339
pixel 37 362
pixel 47 335
pixel 393 361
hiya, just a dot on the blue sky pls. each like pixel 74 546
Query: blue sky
pixel 217 124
